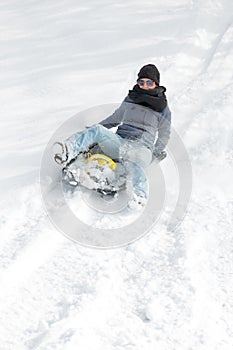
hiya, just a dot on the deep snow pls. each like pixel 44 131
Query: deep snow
pixel 170 289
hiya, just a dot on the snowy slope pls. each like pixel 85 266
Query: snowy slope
pixel 170 289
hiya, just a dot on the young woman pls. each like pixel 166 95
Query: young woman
pixel 143 123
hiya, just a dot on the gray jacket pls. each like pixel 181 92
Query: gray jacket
pixel 135 121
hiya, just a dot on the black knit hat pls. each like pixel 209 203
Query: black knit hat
pixel 151 72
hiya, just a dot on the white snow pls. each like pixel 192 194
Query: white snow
pixel 170 290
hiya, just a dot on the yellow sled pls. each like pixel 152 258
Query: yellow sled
pixel 102 160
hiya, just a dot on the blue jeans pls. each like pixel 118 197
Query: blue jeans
pixel 114 146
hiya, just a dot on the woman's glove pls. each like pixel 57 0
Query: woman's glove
pixel 158 156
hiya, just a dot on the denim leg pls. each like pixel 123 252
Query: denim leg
pixel 138 178
pixel 137 158
pixel 108 141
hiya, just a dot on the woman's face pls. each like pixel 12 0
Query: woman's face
pixel 146 84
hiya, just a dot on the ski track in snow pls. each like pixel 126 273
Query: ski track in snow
pixel 169 290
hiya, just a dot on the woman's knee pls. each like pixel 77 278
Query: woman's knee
pixel 98 129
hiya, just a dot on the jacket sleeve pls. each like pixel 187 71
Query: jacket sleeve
pixel 164 130
pixel 114 119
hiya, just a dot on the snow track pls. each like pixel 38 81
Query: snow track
pixel 169 290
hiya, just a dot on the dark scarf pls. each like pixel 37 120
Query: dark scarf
pixel 154 99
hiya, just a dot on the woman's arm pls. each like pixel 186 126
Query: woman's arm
pixel 164 130
pixel 114 119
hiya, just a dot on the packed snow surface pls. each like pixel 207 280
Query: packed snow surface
pixel 170 290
